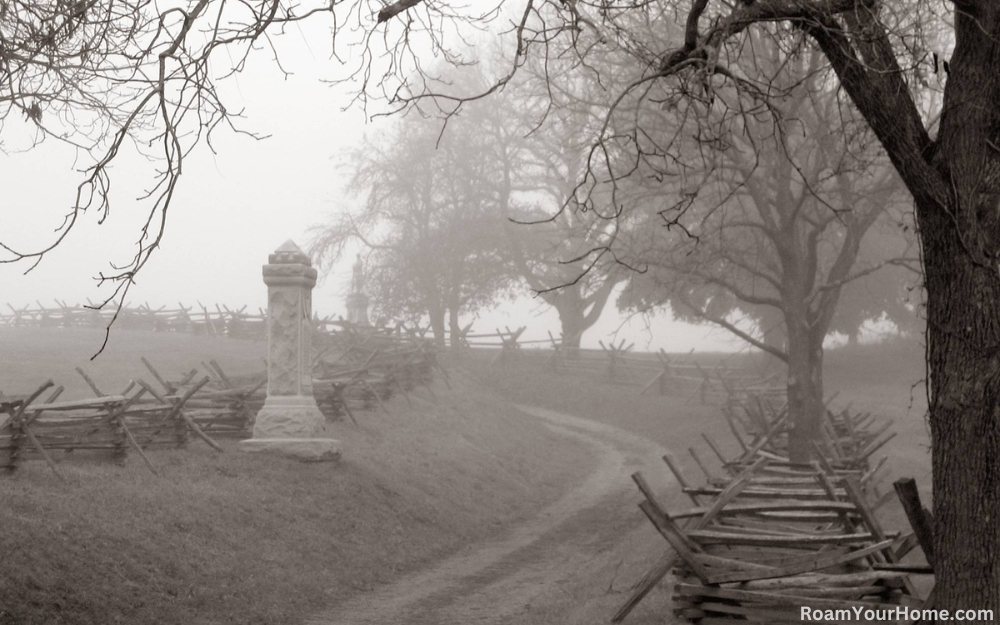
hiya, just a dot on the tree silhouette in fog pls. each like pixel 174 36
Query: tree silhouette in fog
pixel 425 217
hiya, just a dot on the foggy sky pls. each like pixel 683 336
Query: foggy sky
pixel 233 208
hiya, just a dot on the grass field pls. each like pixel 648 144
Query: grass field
pixel 230 538
pixel 884 379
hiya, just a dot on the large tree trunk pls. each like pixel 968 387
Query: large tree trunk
pixel 964 366
pixel 805 388
pixel 571 318
pixel 956 190
pixel 960 241
pixel 577 312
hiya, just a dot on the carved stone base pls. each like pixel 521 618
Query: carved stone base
pixel 294 416
pixel 303 449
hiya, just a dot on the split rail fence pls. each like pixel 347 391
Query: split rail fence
pixel 354 369
pixel 112 426
pixel 362 367
pixel 656 372
pixel 768 537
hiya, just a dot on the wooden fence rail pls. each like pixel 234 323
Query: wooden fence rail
pixel 769 536
pixel 356 369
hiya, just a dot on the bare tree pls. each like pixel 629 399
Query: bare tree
pixel 788 240
pixel 556 249
pixel 427 222
pixel 891 294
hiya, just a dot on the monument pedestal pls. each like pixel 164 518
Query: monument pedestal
pixel 290 424
pixel 289 417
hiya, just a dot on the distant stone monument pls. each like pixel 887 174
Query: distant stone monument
pixel 290 423
pixel 357 301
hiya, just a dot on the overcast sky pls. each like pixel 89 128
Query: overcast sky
pixel 234 207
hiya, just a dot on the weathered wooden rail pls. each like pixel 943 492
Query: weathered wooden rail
pixel 769 537
pixel 110 424
pixel 652 372
pixel 356 369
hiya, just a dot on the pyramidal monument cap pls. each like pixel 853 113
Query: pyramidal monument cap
pixel 289 252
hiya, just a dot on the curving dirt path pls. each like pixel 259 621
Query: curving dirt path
pixel 517 572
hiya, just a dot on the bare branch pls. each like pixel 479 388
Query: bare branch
pixel 395 9
pixel 722 323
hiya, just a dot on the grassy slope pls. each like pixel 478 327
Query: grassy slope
pixel 32 355
pixel 883 379
pixel 232 538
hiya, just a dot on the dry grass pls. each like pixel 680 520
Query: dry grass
pixel 232 538
pixel 29 356
pixel 667 420
pixel 885 379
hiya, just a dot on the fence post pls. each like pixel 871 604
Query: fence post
pixel 665 363
pixel 611 359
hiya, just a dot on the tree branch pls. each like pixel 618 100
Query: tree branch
pixel 738 292
pixel 877 88
pixel 698 312
pixel 394 9
pixel 902 262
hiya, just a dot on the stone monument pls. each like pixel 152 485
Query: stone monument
pixel 290 423
pixel 357 301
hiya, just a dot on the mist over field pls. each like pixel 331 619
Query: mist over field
pixel 392 312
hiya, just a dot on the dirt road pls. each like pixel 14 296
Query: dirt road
pixel 560 567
